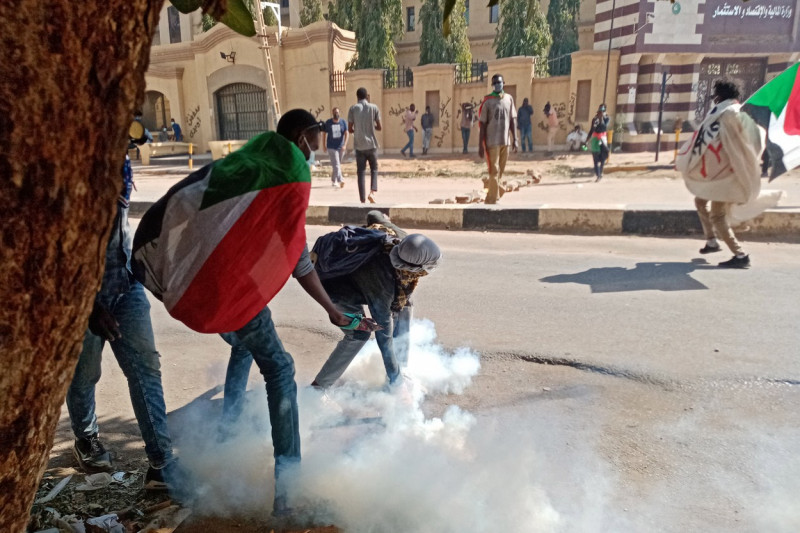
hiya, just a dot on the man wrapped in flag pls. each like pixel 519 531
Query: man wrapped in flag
pixel 721 167
pixel 223 241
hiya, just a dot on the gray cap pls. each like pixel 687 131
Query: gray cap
pixel 416 253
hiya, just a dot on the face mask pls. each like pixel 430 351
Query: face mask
pixel 311 159
pixel 498 87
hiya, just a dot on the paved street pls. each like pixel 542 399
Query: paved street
pixel 624 385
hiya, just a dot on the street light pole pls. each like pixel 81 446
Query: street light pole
pixel 608 56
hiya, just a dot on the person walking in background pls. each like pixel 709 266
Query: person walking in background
pixel 176 131
pixel 524 124
pixel 552 126
pixel 409 127
pixel 467 121
pixel 335 140
pixel 427 129
pixel 496 121
pixel 363 120
pixel 598 135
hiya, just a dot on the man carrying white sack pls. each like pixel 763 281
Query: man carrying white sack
pixel 721 167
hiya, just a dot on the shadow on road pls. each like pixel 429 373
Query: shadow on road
pixel 644 277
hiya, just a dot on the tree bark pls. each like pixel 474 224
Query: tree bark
pixel 73 73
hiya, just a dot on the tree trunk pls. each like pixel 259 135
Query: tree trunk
pixel 73 73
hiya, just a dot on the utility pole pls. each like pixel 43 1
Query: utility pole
pixel 273 107
pixel 661 111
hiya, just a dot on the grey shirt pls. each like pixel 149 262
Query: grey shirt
pixel 496 116
pixel 363 116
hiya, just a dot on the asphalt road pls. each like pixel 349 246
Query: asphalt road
pixel 625 384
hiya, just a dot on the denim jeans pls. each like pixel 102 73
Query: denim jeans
pixel 336 165
pixel 410 144
pixel 465 137
pixel 362 156
pixel 525 133
pixel 258 341
pixel 426 138
pixel 352 342
pixel 137 356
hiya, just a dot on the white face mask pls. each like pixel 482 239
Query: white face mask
pixel 311 159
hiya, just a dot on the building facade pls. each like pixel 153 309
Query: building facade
pixel 686 46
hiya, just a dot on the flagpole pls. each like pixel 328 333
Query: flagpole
pixel 608 56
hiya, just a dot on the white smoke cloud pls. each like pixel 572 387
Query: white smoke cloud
pixel 374 462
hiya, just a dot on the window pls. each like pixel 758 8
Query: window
pixel 466 11
pixel 494 13
pixel 174 21
pixel 410 19
pixel 285 3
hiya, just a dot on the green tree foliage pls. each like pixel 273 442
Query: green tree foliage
pixel 344 13
pixel 311 12
pixel 269 17
pixel 379 25
pixel 522 30
pixel 434 47
pixel 562 17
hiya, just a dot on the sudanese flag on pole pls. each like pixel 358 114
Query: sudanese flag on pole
pixel 776 108
pixel 223 241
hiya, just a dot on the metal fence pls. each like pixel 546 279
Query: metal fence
pixel 338 84
pixel 470 72
pixel 557 66
pixel 396 78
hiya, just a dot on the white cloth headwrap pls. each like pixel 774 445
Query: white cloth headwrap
pixel 416 253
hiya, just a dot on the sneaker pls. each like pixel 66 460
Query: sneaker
pixel 92 457
pixel 710 249
pixel 341 184
pixel 736 262
pixel 335 185
pixel 171 478
pixel 371 197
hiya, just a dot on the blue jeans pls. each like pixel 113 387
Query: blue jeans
pixel 258 341
pixel 465 137
pixel 137 357
pixel 410 144
pixel 525 133
pixel 394 348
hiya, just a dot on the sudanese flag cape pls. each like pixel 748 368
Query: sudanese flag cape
pixel 722 160
pixel 776 108
pixel 224 240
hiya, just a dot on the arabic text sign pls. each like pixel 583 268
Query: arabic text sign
pixel 734 17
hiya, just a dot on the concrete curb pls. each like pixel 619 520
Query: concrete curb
pixel 780 225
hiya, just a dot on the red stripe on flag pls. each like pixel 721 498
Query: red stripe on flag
pixel 791 123
pixel 251 263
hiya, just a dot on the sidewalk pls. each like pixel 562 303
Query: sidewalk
pixel 651 200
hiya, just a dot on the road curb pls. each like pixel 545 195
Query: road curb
pixel 781 225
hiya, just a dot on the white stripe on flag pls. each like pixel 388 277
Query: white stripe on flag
pixel 790 144
pixel 189 236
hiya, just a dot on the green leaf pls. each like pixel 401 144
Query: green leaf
pixel 448 8
pixel 187 6
pixel 239 19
